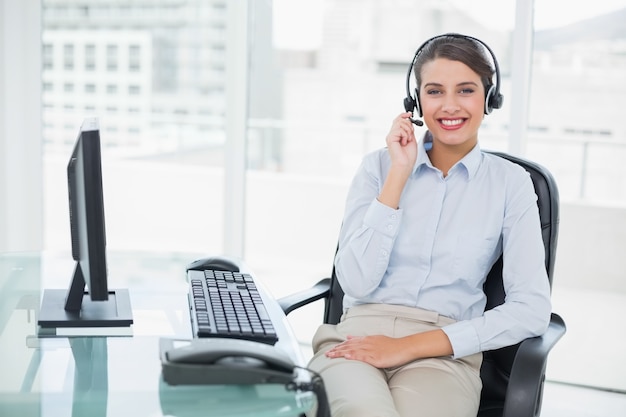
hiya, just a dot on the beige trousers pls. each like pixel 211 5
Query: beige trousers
pixel 434 387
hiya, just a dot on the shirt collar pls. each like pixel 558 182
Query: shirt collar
pixel 471 161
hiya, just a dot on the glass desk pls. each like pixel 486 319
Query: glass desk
pixel 116 375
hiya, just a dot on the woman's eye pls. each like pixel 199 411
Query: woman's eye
pixel 433 92
pixel 467 91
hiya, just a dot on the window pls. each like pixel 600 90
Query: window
pixel 112 57
pixel 68 57
pixel 134 58
pixel 47 56
pixel 334 49
pixel 126 68
pixel 90 57
pixel 579 63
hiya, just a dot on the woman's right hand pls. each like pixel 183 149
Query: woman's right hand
pixel 401 142
pixel 402 148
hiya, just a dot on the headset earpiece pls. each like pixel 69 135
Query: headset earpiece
pixel 493 100
pixel 418 107
pixel 489 100
pixel 409 104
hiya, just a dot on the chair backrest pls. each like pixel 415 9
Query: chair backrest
pixel 497 364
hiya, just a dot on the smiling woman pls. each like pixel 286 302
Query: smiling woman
pixel 400 256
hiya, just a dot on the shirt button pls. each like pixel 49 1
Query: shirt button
pixel 392 217
pixel 383 252
pixel 390 227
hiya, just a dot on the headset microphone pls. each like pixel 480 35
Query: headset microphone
pixel 409 105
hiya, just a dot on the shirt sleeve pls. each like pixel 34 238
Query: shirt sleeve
pixel 367 234
pixel 526 309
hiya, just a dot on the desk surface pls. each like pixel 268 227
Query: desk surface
pixel 114 376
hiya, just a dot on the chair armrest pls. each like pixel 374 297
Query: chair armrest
pixel 525 389
pixel 304 297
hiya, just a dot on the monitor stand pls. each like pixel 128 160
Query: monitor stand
pixel 114 312
pixel 75 309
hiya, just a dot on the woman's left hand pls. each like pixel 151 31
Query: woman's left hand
pixel 379 351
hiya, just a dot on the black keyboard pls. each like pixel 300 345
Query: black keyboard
pixel 228 304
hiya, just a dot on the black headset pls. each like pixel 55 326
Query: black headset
pixel 493 98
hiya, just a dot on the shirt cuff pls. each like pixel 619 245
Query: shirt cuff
pixel 383 218
pixel 463 338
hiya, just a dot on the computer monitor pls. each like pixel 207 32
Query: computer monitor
pixel 88 302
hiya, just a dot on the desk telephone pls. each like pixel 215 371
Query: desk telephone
pixel 223 361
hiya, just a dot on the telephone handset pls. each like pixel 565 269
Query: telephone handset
pixel 223 361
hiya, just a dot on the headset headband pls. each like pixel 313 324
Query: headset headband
pixel 493 98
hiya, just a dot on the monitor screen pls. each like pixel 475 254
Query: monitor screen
pixel 86 200
pixel 88 302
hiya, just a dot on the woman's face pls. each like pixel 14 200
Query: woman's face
pixel 452 99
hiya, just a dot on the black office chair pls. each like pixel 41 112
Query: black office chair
pixel 513 376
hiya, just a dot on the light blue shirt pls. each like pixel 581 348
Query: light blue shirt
pixel 435 250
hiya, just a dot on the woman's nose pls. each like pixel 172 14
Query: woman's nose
pixel 450 105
